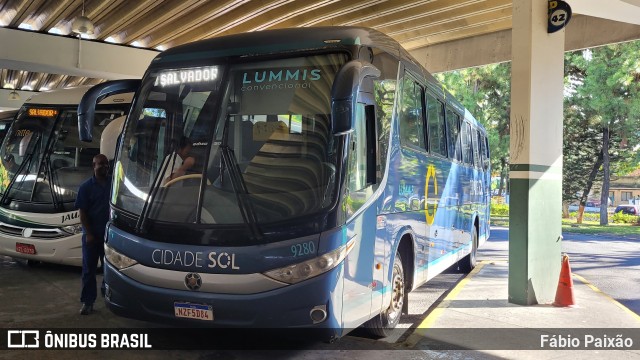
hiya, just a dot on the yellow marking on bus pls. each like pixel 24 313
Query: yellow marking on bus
pixel 431 171
pixel 594 288
pixel 428 322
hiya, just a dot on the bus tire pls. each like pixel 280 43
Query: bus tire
pixel 467 263
pixel 382 324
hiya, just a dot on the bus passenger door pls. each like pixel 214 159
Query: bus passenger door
pixel 360 285
pixel 358 271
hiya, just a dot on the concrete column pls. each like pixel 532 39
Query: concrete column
pixel 535 225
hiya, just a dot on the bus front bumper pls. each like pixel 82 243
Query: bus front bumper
pixel 286 307
pixel 66 250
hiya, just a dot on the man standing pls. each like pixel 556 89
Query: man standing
pixel 93 203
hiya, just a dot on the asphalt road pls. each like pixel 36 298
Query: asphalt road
pixel 609 262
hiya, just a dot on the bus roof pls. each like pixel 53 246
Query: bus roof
pixel 72 96
pixel 283 40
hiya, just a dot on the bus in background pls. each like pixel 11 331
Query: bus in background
pixel 42 164
pixel 332 176
pixel 6 118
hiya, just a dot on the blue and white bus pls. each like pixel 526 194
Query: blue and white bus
pixel 332 176
pixel 42 164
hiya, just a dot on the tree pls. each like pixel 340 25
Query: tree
pixel 601 116
pixel 582 157
pixel 486 92
pixel 603 88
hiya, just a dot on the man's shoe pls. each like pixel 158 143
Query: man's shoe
pixel 86 309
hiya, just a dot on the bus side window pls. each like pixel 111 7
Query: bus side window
pixel 411 119
pixel 384 96
pixel 357 152
pixel 477 154
pixel 485 152
pixel 467 155
pixel 437 134
pixel 453 130
pixel 359 185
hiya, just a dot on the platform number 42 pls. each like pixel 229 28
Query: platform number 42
pixel 558 17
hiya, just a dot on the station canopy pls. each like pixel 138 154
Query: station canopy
pixel 40 51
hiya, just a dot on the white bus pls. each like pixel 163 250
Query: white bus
pixel 42 164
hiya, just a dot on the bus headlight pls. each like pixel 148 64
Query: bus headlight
pixel 116 259
pixel 307 269
pixel 73 229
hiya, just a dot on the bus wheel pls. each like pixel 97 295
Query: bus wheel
pixel 467 263
pixel 383 323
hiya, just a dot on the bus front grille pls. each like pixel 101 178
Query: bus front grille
pixel 32 233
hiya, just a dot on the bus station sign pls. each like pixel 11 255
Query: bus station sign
pixel 559 15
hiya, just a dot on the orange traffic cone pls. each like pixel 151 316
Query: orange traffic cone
pixel 564 293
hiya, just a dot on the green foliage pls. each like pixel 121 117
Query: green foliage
pixel 585 216
pixel 602 91
pixel 621 218
pixel 499 209
pixel 486 92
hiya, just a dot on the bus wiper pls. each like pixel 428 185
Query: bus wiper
pixel 224 147
pixel 240 188
pixel 155 186
pixel 27 160
pixel 57 203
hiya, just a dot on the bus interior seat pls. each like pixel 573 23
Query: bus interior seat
pixel 295 187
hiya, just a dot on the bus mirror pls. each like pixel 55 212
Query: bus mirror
pixel 345 89
pixel 87 106
pixel 341 116
pixel 110 137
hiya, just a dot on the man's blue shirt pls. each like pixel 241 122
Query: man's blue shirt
pixel 93 198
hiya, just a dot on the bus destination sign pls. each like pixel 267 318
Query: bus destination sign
pixel 42 112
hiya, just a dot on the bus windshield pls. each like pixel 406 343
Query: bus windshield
pixel 231 144
pixel 42 159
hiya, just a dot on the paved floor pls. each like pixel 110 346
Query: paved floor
pixel 476 315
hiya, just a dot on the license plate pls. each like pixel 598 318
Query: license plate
pixel 193 311
pixel 25 248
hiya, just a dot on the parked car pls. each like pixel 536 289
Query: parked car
pixel 628 209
